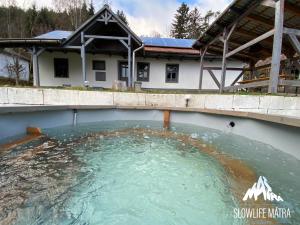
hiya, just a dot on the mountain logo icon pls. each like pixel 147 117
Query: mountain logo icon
pixel 262 188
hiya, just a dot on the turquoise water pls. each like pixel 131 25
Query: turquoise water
pixel 77 177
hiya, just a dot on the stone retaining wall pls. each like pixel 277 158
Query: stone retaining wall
pixel 274 105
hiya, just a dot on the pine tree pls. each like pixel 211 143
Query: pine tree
pixel 122 16
pixel 31 18
pixel 195 25
pixel 180 24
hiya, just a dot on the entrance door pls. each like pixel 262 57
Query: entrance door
pixel 123 71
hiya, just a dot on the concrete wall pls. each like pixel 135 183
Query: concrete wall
pixel 270 105
pixel 189 71
pixel 5 60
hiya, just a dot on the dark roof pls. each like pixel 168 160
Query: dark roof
pixel 259 20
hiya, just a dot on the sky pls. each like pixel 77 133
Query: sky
pixel 146 16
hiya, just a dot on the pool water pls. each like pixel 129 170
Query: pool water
pixel 126 173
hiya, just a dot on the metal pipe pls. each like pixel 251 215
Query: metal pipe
pixel 133 61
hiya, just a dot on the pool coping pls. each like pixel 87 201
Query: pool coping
pixel 284 120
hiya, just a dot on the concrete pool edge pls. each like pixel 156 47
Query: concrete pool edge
pixel 284 120
pixel 279 135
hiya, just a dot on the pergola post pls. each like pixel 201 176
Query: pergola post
pixel 83 59
pixel 35 65
pixel 224 60
pixel 277 46
pixel 202 55
pixel 129 63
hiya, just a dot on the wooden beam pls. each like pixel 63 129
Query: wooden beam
pixel 251 35
pixel 277 47
pixel 106 37
pixel 239 55
pixel 214 78
pixel 35 67
pixel 130 78
pixel 202 55
pixel 220 68
pixel 268 3
pixel 252 42
pixel 83 60
pixel 291 31
pixel 294 42
pixel 224 60
pixel 237 78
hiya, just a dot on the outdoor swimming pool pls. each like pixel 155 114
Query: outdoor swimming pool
pixel 134 172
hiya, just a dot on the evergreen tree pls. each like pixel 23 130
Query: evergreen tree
pixel 122 16
pixel 180 24
pixel 31 18
pixel 195 25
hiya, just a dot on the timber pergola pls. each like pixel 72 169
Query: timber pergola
pixel 105 32
pixel 254 30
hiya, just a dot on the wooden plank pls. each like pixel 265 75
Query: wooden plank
pixel 264 83
pixel 214 78
pixel 277 46
pixel 291 83
pixel 295 42
pixel 250 43
pixel 261 20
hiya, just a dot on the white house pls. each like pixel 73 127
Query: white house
pixel 104 50
pixel 8 60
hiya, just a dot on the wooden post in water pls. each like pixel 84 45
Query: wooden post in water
pixel 167 114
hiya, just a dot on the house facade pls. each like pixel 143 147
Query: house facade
pixel 104 51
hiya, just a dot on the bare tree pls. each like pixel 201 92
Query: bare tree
pixel 15 68
pixel 73 8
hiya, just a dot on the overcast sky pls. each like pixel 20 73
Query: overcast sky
pixel 146 16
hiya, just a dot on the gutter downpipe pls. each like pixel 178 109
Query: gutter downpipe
pixel 133 61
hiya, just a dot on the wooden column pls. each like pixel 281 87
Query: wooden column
pixel 35 65
pixel 130 85
pixel 83 60
pixel 224 60
pixel 202 55
pixel 167 114
pixel 277 46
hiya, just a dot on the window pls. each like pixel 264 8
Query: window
pixel 172 72
pixel 143 70
pixel 61 68
pixel 123 71
pixel 100 70
pixel 98 65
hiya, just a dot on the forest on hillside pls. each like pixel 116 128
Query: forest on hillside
pixel 17 22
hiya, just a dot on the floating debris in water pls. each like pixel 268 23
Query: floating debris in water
pixel 194 136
